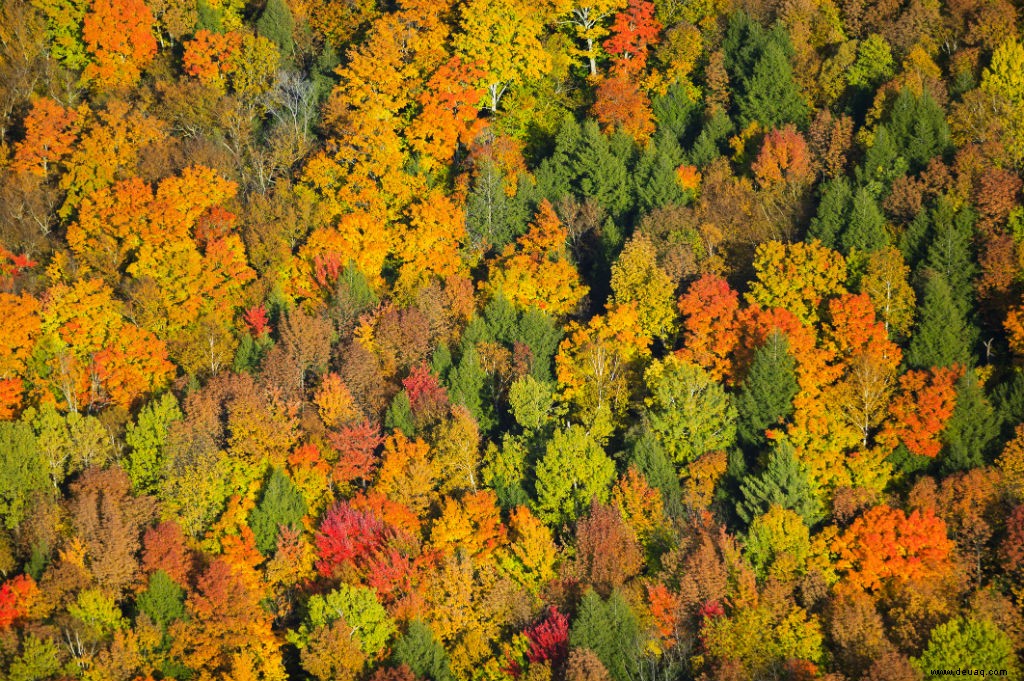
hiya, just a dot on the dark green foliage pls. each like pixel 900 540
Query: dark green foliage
pixel 399 416
pixel 783 482
pixel 972 429
pixel 556 175
pixel 943 336
pixel 883 162
pixel 492 217
pixel 23 471
pixel 914 239
pixel 865 231
pixel 950 252
pixel 423 654
pixel 466 383
pixel 541 334
pixel 708 145
pixel 601 171
pixel 918 128
pixel 611 630
pixel 250 353
pixel 649 457
pixel 163 600
pixel 758 64
pixel 441 361
pixel 675 112
pixel 833 212
pixel 276 24
pixel 281 505
pixel 655 177
pixel 766 397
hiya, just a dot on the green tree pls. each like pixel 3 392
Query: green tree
pixel 950 251
pixel 865 230
pixel 690 412
pixel 39 660
pixel 943 336
pixel 371 625
pixel 281 505
pixel 971 431
pixel 610 629
pixel 833 212
pixel 573 470
pixel 655 180
pixel 23 471
pixel 601 172
pixel 649 457
pixel 276 24
pixel 422 653
pixel 466 382
pixel 784 483
pixel 766 397
pixel 399 415
pixel 918 128
pixel 969 643
pixel 147 440
pixel 163 600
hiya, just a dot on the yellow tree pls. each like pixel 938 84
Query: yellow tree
pixel 589 21
pixel 504 38
pixel 536 271
pixel 798 277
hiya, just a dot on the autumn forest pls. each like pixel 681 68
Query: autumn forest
pixel 511 340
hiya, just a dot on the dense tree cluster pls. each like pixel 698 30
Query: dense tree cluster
pixel 494 340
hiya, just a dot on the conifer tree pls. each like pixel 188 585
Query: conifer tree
pixel 163 600
pixel 418 649
pixel 399 415
pixel 971 430
pixel 783 483
pixel 276 24
pixel 865 230
pixel 833 212
pixel 766 397
pixel 610 629
pixel 281 505
pixel 943 336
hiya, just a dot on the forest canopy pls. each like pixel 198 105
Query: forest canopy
pixel 495 340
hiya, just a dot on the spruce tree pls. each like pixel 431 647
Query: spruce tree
pixel 918 127
pixel 655 178
pixel 649 457
pixel 281 505
pixel 971 430
pixel 163 600
pixel 833 212
pixel 771 95
pixel 601 174
pixel 399 415
pixel 784 483
pixel 675 112
pixel 556 173
pixel 610 629
pixel 943 336
pixel 950 251
pixel 422 653
pixel 276 24
pixel 766 397
pixel 541 334
pixel 865 230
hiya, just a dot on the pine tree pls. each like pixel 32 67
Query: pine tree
pixel 771 95
pixel 950 252
pixel 655 180
pixel 556 174
pixel 422 653
pixel 649 457
pixel 833 212
pixel 783 483
pixel 918 127
pixel 610 629
pixel 541 334
pixel 281 505
pixel 600 173
pixel 276 24
pixel 399 415
pixel 972 429
pixel 676 112
pixel 766 397
pixel 865 230
pixel 943 336
pixel 466 382
pixel 163 600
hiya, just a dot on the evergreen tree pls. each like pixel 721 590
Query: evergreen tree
pixel 950 252
pixel 883 162
pixel 914 239
pixel 492 218
pixel 422 653
pixel 766 397
pixel 708 145
pixel 918 127
pixel 675 113
pixel 399 416
pixel 466 384
pixel 833 212
pixel 163 600
pixel 556 174
pixel 600 172
pixel 276 24
pixel 610 629
pixel 649 457
pixel 655 177
pixel 771 95
pixel 784 483
pixel 943 336
pixel 972 429
pixel 281 505
pixel 865 230
pixel 541 334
